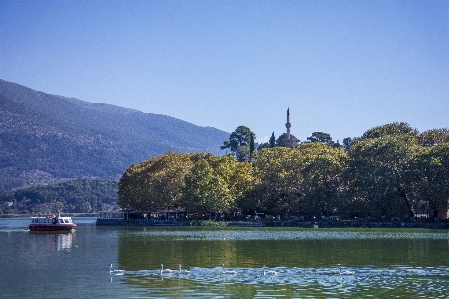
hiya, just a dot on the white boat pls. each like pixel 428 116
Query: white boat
pixel 51 223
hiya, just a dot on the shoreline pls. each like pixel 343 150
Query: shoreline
pixel 299 224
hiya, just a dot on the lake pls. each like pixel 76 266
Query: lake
pixel 405 263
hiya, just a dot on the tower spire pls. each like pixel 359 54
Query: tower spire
pixel 288 124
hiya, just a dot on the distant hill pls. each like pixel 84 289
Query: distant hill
pixel 74 196
pixel 47 138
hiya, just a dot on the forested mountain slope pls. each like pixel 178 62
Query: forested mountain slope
pixel 75 196
pixel 48 138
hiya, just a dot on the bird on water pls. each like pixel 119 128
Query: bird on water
pixel 227 272
pixel 185 272
pixel 115 271
pixel 345 272
pixel 165 271
pixel 269 272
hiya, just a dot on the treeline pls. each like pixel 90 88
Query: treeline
pixel 390 171
pixel 75 196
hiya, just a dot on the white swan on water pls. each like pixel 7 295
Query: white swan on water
pixel 227 272
pixel 346 272
pixel 165 271
pixel 269 272
pixel 185 272
pixel 115 271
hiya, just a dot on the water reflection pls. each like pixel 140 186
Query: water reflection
pixel 298 282
pixel 387 263
pixel 55 240
pixel 274 248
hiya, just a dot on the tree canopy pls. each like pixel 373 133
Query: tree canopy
pixel 215 184
pixel 240 143
pixel 321 137
pixel 390 170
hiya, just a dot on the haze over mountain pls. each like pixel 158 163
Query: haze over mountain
pixel 48 138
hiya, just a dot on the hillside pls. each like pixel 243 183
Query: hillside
pixel 75 196
pixel 48 138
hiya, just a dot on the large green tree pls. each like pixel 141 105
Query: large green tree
pixel 393 129
pixel 322 173
pixel 284 141
pixel 215 184
pixel 378 173
pixel 240 144
pixel 277 181
pixel 321 137
pixel 430 174
pixel 433 137
pixel 156 183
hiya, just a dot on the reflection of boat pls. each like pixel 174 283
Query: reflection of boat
pixel 51 223
pixel 59 240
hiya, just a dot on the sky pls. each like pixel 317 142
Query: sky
pixel 342 67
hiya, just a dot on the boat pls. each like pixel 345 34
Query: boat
pixel 51 223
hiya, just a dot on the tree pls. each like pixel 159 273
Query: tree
pixel 321 137
pixel 252 145
pixel 277 181
pixel 284 141
pixel 156 183
pixel 430 174
pixel 393 129
pixel 240 137
pixel 433 137
pixel 322 176
pixel 272 141
pixel 270 144
pixel 131 188
pixel 243 153
pixel 378 173
pixel 348 142
pixel 215 183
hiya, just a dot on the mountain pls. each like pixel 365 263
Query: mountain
pixel 48 138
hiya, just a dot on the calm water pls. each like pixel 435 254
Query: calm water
pixel 403 263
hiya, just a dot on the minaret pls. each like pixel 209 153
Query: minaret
pixel 288 124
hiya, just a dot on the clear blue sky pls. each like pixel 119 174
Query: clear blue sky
pixel 342 67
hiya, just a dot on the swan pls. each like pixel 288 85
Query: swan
pixel 346 272
pixel 115 271
pixel 269 272
pixel 183 271
pixel 165 271
pixel 228 272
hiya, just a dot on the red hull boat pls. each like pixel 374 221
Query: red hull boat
pixel 51 223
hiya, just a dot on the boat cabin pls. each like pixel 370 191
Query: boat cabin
pixel 50 219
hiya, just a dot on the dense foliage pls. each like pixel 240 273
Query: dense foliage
pixel 390 171
pixel 76 196
pixel 240 143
